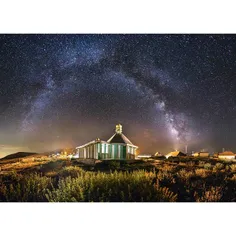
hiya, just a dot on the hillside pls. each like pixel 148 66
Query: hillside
pixel 18 155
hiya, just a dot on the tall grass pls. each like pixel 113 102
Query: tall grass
pixel 58 181
pixel 116 186
pixel 31 188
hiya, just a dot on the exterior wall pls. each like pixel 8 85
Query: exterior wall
pixel 204 154
pixel 90 151
pixel 103 151
pixel 226 157
pixel 124 152
pixel 201 154
pixel 130 153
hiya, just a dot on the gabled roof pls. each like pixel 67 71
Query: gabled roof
pixel 175 154
pixel 93 141
pixel 119 138
pixel 226 153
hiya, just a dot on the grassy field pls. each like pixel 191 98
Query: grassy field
pixel 42 179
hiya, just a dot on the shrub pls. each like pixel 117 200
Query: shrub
pixel 233 178
pixel 165 194
pixel 51 174
pixel 185 175
pixel 12 176
pixel 190 164
pixel 213 194
pixel 165 177
pixel 233 167
pixel 117 186
pixel 72 171
pixel 174 159
pixel 202 163
pixel 114 164
pixel 168 168
pixel 108 164
pixel 168 182
pixel 207 166
pixel 161 158
pixel 31 188
pixel 218 166
pixel 203 173
pixel 227 168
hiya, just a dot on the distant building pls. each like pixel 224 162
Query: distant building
pixel 144 156
pixel 201 154
pixel 176 154
pixel 226 155
pixel 158 154
pixel 117 147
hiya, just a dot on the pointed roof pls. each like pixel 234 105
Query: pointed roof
pixel 119 137
pixel 175 154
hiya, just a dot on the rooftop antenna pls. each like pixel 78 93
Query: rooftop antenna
pixel 186 149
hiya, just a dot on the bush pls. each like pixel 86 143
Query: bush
pixel 190 164
pixel 114 164
pixel 233 167
pixel 218 166
pixel 203 173
pixel 165 194
pixel 185 175
pixel 72 171
pixel 165 177
pixel 207 166
pixel 161 158
pixel 213 194
pixel 108 164
pixel 31 188
pixel 168 168
pixel 202 163
pixel 137 186
pixel 174 159
pixel 162 182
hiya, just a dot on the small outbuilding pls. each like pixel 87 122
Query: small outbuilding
pixel 201 154
pixel 226 155
pixel 176 154
pixel 158 154
pixel 144 156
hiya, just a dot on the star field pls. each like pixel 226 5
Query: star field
pixel 168 91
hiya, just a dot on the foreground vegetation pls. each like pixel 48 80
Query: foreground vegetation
pixel 41 179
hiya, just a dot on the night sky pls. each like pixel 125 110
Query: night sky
pixel 167 91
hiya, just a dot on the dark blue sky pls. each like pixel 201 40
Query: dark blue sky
pixel 166 90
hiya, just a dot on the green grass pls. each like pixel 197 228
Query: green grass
pixel 182 180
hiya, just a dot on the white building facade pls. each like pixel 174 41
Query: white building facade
pixel 117 147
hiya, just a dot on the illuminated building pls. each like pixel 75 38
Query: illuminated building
pixel 176 154
pixel 144 156
pixel 201 154
pixel 117 147
pixel 226 155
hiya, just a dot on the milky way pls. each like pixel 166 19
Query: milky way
pixel 168 91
